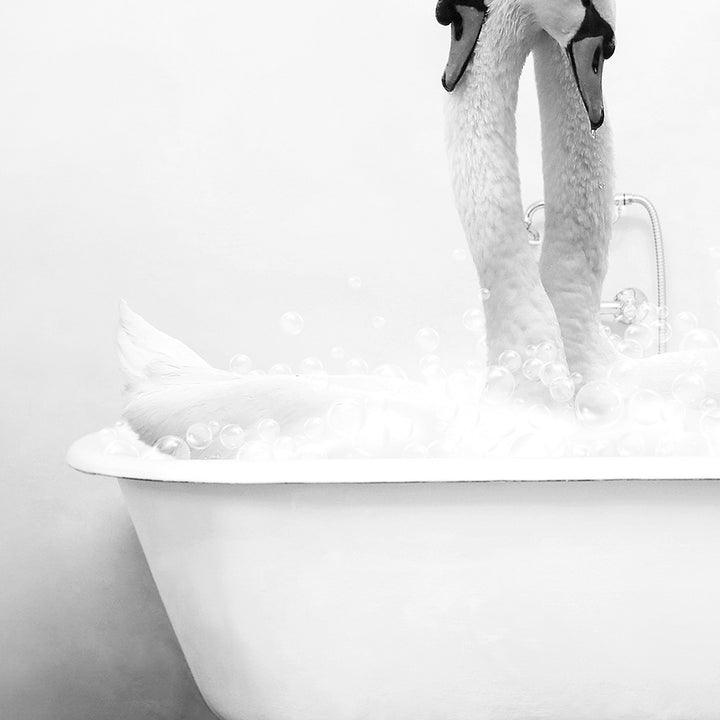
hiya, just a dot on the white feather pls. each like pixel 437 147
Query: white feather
pixel 170 387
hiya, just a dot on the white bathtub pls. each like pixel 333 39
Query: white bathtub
pixel 435 589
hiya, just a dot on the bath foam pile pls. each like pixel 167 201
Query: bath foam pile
pixel 181 407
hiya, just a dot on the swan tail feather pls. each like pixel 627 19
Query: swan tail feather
pixel 149 356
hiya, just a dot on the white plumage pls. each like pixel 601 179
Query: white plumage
pixel 169 387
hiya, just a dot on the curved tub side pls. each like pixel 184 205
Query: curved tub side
pixel 413 602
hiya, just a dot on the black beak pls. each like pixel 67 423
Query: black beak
pixel 588 50
pixel 467 18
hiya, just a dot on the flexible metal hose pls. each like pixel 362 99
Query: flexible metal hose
pixel 627 199
pixel 623 200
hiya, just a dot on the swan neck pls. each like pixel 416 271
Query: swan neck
pixel 485 176
pixel 579 199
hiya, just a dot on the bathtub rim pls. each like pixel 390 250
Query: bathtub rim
pixel 87 456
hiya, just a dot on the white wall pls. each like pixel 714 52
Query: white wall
pixel 217 164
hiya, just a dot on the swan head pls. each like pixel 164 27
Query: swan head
pixel 585 29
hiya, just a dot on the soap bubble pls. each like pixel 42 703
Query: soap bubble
pixel 631 349
pixel 311 366
pixel 474 320
pixel 346 417
pixel 337 353
pixel 598 405
pixel 292 323
pixel 314 428
pixel 562 389
pixel 631 444
pixel 199 436
pixel 646 407
pixel 484 293
pixel 354 282
pixel 688 388
pixel 499 384
pixel 285 448
pixel 685 322
pixel 281 369
pixel 241 364
pixel 546 351
pixel 416 450
pixel 511 360
pixel 539 416
pixel 700 339
pixel 552 371
pixel 254 450
pixel 379 322
pixel 232 437
pixel 357 366
pixel 710 429
pixel 173 446
pixel 577 379
pixel 268 430
pixel 709 403
pixel 641 334
pixel 389 370
pixel 531 368
pixel 459 255
pixel 427 339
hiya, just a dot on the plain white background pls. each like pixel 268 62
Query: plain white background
pixel 217 165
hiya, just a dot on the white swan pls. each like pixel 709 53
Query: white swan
pixel 169 388
pixel 559 299
pixel 578 169
pixel 579 198
pixel 484 167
